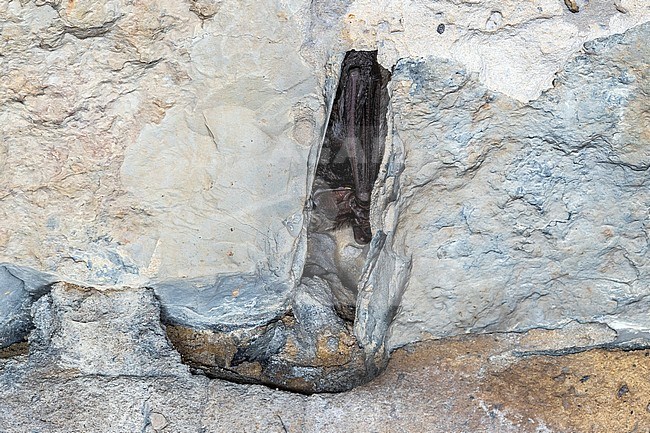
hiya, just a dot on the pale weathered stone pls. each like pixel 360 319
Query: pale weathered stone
pixel 173 145
pixel 111 333
pixel 143 145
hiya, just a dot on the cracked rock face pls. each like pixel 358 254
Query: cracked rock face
pixel 144 145
pixel 174 145
pixel 526 215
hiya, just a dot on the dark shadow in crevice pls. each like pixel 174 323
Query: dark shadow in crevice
pixel 16 349
pixel 312 348
pixel 21 289
pixel 349 163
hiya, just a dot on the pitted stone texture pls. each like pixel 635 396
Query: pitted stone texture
pixel 98 362
pixel 573 337
pixel 107 333
pixel 513 47
pixel 519 216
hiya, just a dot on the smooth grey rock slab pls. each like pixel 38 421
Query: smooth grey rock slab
pixel 18 289
pixel 232 301
pixel 15 302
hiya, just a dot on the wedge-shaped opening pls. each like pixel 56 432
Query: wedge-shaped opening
pixel 347 170
pixel 313 346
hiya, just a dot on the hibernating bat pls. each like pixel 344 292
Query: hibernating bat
pixel 354 141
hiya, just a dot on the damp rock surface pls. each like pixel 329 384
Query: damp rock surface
pixel 311 349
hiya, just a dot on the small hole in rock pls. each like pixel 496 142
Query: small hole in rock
pixel 16 349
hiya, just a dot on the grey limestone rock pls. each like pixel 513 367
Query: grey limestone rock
pixel 173 144
pixel 525 215
pixel 106 333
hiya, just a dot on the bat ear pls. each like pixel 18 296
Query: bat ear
pixel 327 204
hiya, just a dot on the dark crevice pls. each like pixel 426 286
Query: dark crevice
pixel 353 148
pixel 349 163
pixel 313 347
pixel 91 32
pixel 16 349
pixel 18 324
pixel 53 38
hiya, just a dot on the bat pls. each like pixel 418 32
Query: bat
pixel 354 141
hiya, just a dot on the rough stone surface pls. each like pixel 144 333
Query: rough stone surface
pixel 525 215
pixel 514 47
pixel 18 289
pixel 150 143
pixel 101 333
pixel 470 384
pixel 173 145
pixel 310 350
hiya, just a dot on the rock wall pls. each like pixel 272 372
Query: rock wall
pixel 173 145
pixel 155 144
pixel 99 361
pixel 526 215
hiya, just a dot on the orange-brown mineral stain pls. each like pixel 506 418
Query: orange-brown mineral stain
pixel 356 28
pixel 70 6
pixel 4 237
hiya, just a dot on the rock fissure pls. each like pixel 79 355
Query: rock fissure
pixel 313 348
pixel 176 145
